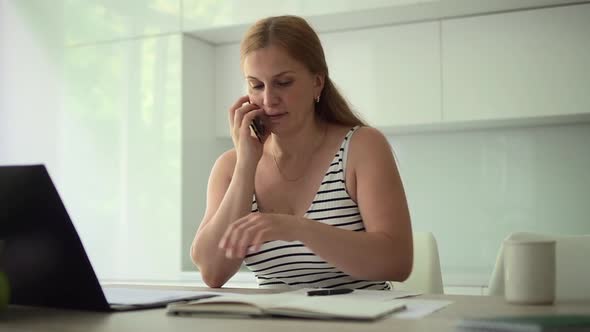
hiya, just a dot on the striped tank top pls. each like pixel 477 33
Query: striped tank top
pixel 281 264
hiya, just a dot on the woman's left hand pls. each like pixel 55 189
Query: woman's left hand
pixel 247 234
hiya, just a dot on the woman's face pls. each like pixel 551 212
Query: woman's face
pixel 282 87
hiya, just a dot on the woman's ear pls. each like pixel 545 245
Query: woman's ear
pixel 319 81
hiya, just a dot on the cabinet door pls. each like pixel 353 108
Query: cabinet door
pixel 92 21
pixel 517 65
pixel 390 75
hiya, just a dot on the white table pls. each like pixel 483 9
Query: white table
pixel 18 318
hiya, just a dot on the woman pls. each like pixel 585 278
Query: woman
pixel 317 200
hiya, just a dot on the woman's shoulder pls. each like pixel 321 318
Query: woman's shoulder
pixel 228 156
pixel 367 142
pixel 226 162
pixel 368 135
pixel 364 137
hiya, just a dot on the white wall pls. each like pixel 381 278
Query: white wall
pixel 120 145
pixel 470 188
pixel 31 38
pixel 106 119
pixel 473 188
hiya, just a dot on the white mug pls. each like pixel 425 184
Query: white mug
pixel 529 271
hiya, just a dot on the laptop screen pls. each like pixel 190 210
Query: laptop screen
pixel 43 256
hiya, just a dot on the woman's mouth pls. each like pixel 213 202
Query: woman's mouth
pixel 276 117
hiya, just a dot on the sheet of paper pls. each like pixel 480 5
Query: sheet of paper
pixel 417 308
pixel 144 296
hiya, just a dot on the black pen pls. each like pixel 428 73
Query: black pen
pixel 325 292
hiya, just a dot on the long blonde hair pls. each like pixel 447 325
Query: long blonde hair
pixel 300 41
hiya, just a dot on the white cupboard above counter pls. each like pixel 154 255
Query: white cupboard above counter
pixel 522 68
pixel 224 21
pixel 389 75
pixel 521 65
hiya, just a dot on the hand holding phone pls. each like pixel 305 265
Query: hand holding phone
pixel 258 128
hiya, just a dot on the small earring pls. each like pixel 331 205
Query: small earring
pixel 317 99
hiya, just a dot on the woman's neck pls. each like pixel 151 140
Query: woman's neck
pixel 299 145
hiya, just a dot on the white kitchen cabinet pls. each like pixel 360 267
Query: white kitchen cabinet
pixel 390 75
pixel 530 64
pixel 88 22
pixel 224 21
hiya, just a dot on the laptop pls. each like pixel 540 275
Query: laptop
pixel 44 259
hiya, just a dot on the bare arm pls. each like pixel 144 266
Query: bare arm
pixel 385 251
pixel 229 197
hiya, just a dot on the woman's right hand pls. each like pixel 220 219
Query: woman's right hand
pixel 248 147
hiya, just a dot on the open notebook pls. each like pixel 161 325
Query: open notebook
pixel 44 259
pixel 292 304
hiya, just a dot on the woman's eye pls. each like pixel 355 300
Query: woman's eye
pixel 285 83
pixel 257 87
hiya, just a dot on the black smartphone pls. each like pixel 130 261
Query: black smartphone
pixel 258 128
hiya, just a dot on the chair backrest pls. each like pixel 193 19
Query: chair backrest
pixel 426 276
pixel 572 275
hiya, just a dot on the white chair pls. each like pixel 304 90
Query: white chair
pixel 572 254
pixel 426 276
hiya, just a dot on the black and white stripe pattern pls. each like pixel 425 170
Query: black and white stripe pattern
pixel 280 264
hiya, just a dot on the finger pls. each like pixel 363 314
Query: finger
pixel 246 236
pixel 242 110
pixel 235 233
pixel 241 113
pixel 240 102
pixel 242 234
pixel 259 240
pixel 225 240
pixel 225 237
pixel 229 247
pixel 249 118
pixel 257 230
pixel 235 106
pixel 250 232
pixel 234 114
pixel 232 111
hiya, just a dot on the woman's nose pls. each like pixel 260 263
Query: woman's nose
pixel 270 97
